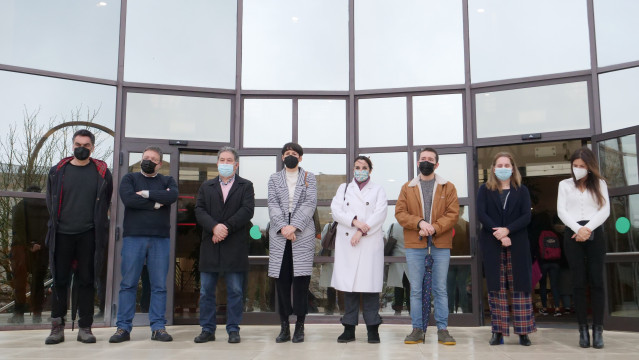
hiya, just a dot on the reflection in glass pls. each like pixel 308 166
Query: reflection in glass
pixel 257 169
pixel 618 161
pixel 408 43
pixel 627 207
pixel 459 289
pixel 329 171
pixel 438 119
pixel 615 22
pixel 618 93
pixel 623 289
pixel 322 123
pixel 260 291
pixel 533 110
pixel 508 41
pixel 261 218
pixel 452 167
pixel 461 234
pixel 382 122
pixel 178 117
pixel 295 45
pixel 193 45
pixel 74 36
pixel 268 122
pixel 389 170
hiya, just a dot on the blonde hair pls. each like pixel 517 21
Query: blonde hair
pixel 515 180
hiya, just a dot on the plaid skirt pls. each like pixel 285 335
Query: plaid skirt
pixel 523 318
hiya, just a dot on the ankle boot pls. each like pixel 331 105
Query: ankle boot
pixel 496 339
pixel 584 336
pixel 348 335
pixel 373 334
pixel 285 333
pixel 298 335
pixel 524 340
pixel 597 336
pixel 57 332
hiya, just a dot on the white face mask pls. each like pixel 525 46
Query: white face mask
pixel 580 173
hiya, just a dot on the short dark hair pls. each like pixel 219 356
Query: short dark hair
pixel 84 132
pixel 154 148
pixel 232 150
pixel 366 159
pixel 293 146
pixel 431 150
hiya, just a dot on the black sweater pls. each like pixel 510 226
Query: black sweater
pixel 141 218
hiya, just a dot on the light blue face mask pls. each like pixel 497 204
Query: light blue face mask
pixel 225 170
pixel 361 175
pixel 503 173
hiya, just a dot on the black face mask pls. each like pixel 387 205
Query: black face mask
pixel 426 168
pixel 148 166
pixel 291 161
pixel 81 153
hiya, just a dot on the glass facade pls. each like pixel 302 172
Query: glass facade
pixel 342 78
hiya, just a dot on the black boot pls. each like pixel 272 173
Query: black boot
pixel 348 335
pixel 584 336
pixel 524 340
pixel 298 335
pixel 496 339
pixel 285 333
pixel 597 336
pixel 373 334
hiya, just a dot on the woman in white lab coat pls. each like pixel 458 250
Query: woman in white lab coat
pixel 359 207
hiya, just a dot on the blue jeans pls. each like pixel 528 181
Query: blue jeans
pixel 415 267
pixel 135 250
pixel 234 303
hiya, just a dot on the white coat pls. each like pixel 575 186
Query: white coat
pixel 359 268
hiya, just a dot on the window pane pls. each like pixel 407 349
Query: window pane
pixel 459 286
pixel 509 39
pixel 261 218
pixel 257 169
pixel 618 98
pixel 30 106
pixel 295 45
pixel 181 43
pixel 322 123
pixel 260 291
pixel 178 117
pixel 382 122
pixel 389 170
pixel 618 161
pixel 76 36
pixel 268 123
pixel 623 289
pixel 461 237
pixel 533 110
pixel 408 43
pixel 615 22
pixel 329 170
pixel 624 210
pixel 135 159
pixel 441 112
pixel 452 167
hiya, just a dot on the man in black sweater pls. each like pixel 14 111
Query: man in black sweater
pixel 147 197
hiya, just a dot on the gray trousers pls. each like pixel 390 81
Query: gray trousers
pixel 370 308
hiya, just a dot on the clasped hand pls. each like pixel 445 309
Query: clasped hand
pixel 220 232
pixel 426 229
pixel 582 234
pixel 288 232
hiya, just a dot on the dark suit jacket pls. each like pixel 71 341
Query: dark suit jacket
pixel 231 254
pixel 515 217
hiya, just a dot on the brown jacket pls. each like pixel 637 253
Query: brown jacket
pixel 409 210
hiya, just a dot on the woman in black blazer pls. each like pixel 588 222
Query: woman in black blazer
pixel 503 209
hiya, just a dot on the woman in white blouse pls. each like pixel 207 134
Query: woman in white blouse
pixel 583 206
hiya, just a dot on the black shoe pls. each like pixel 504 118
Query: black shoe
pixel 348 335
pixel 234 337
pixel 524 340
pixel 496 339
pixel 373 334
pixel 161 335
pixel 204 336
pixel 584 336
pixel 285 333
pixel 298 335
pixel 597 336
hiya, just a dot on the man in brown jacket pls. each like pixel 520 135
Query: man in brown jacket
pixel 428 206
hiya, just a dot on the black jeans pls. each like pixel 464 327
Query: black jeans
pixel 586 261
pixel 80 247
pixel 370 308
pixel 300 289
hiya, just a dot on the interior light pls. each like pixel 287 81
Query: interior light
pixel 101 3
pixel 295 19
pixel 481 11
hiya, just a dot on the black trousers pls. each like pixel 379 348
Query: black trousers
pixel 299 285
pixel 80 247
pixel 586 261
pixel 370 308
pixel 402 293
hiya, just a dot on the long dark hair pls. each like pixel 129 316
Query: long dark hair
pixel 593 180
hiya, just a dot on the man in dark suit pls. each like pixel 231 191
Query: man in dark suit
pixel 224 209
